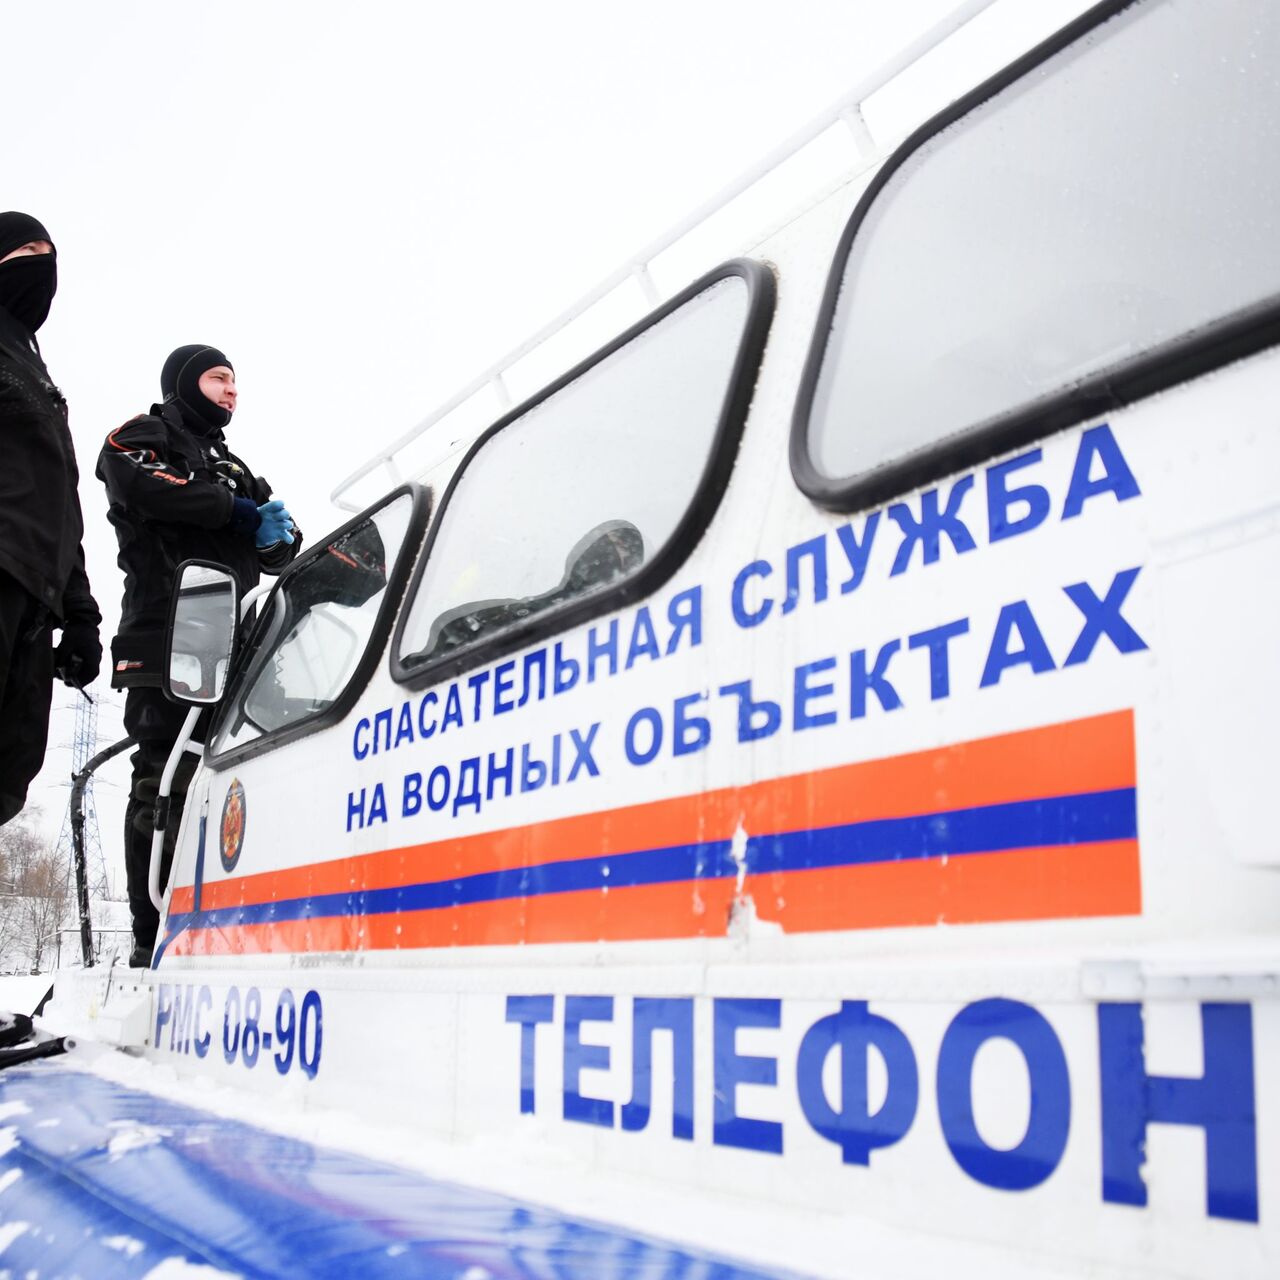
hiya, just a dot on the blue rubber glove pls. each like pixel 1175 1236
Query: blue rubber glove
pixel 276 526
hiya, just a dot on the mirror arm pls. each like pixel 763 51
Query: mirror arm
pixel 183 743
pixel 252 596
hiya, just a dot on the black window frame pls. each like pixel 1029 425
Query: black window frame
pixel 761 297
pixel 338 709
pixel 1178 360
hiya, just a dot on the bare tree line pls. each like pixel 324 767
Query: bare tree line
pixel 35 896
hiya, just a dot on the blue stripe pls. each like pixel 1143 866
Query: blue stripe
pixel 1026 824
pixel 199 885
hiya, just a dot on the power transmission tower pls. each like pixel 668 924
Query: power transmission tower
pixel 84 746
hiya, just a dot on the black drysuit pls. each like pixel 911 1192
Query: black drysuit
pixel 42 578
pixel 172 485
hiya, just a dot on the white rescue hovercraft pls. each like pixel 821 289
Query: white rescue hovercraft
pixel 796 788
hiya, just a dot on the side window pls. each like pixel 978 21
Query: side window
pixel 592 493
pixel 1096 223
pixel 316 628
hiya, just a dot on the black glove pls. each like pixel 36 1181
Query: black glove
pixel 245 516
pixel 78 657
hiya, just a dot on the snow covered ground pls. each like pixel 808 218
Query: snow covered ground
pixel 21 992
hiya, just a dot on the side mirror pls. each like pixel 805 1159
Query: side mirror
pixel 202 633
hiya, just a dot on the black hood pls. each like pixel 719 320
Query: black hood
pixel 180 385
pixel 27 284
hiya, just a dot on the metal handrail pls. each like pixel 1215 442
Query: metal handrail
pixel 79 781
pixel 162 814
pixel 846 110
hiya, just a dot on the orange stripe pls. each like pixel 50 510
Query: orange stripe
pixel 115 444
pixel 666 911
pixel 1094 754
pixel 1056 882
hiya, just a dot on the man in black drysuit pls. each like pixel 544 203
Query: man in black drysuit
pixel 43 584
pixel 176 493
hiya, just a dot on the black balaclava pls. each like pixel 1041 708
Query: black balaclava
pixel 180 384
pixel 27 284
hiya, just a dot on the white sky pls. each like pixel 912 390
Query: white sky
pixel 365 205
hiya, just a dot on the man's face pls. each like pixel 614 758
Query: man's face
pixel 28 250
pixel 219 385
